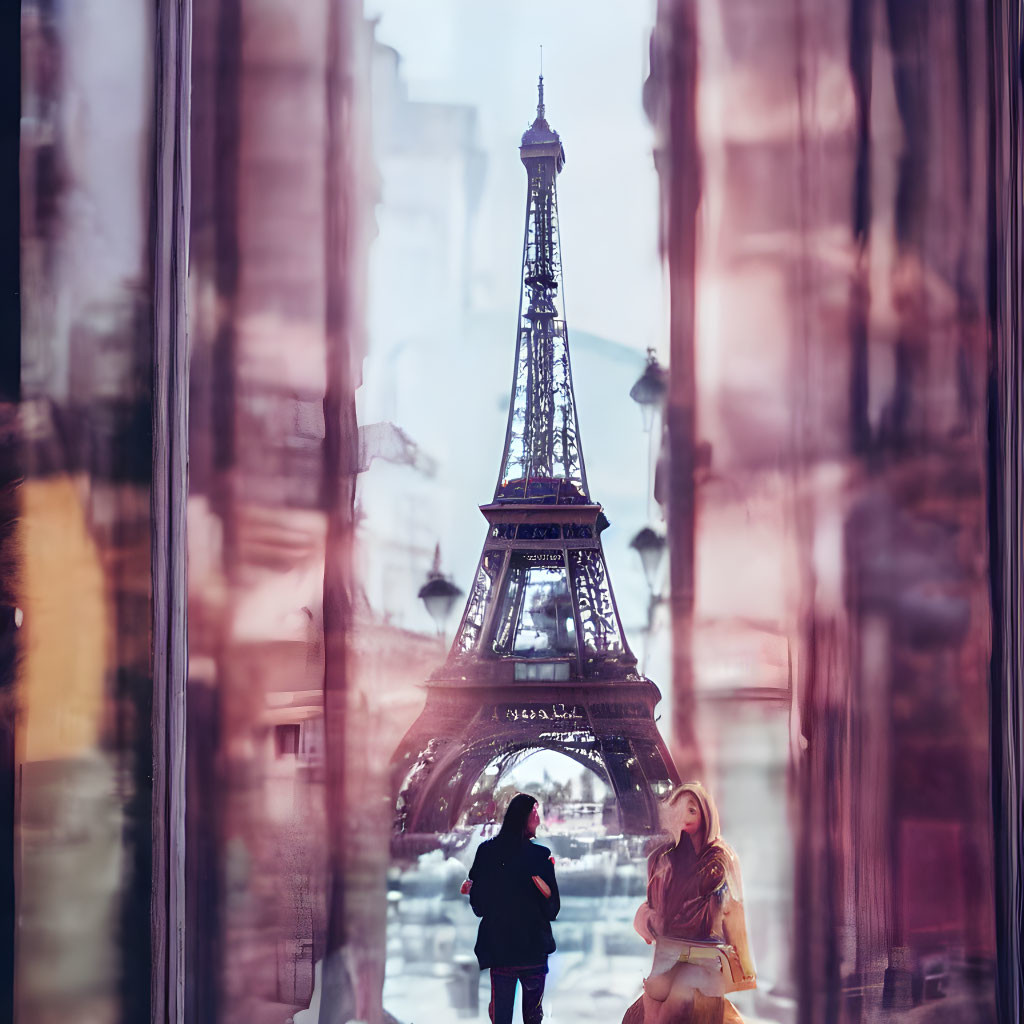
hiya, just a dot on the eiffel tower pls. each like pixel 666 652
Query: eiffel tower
pixel 539 660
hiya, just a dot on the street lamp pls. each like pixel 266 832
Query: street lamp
pixel 650 388
pixel 439 594
pixel 649 393
pixel 650 546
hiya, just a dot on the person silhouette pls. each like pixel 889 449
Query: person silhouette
pixel 512 888
pixel 693 915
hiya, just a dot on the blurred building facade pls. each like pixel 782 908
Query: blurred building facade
pixel 282 180
pixel 259 496
pixel 79 577
pixel 825 246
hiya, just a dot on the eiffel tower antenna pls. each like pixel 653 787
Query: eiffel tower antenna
pixel 540 88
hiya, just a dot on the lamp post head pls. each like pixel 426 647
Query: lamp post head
pixel 439 594
pixel 650 546
pixel 650 388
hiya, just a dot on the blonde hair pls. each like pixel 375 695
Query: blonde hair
pixel 708 810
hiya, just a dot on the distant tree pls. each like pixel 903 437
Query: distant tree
pixel 502 795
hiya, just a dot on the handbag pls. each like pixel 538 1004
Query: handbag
pixel 728 960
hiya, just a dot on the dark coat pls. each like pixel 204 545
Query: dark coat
pixel 516 926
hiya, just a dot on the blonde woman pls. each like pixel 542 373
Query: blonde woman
pixel 693 916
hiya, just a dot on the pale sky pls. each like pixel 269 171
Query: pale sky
pixel 486 53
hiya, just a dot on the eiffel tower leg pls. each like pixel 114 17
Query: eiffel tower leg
pixel 414 766
pixel 656 764
pixel 436 795
pixel 416 752
pixel 432 808
pixel 638 808
pixel 470 768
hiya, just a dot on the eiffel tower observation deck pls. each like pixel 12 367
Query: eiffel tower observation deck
pixel 540 659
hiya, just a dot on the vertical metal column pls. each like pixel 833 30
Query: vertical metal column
pixel 169 497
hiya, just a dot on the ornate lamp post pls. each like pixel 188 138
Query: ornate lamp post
pixel 439 594
pixel 649 393
pixel 650 546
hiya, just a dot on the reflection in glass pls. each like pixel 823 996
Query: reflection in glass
pixel 535 618
pixel 545 619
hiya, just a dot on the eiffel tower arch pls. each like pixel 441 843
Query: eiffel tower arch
pixel 540 659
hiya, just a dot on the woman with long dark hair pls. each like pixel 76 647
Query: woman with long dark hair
pixel 513 889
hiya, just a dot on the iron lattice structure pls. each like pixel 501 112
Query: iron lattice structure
pixel 540 660
pixel 542 455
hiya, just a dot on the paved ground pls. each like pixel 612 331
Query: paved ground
pixel 579 990
pixel 598 988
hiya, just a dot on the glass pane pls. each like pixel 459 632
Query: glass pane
pixel 76 584
pixel 545 623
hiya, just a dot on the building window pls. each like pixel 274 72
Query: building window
pixel 286 739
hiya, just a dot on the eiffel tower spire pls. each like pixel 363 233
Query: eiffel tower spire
pixel 540 659
pixel 542 458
